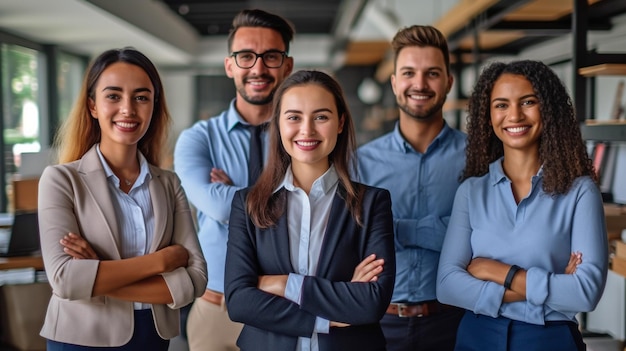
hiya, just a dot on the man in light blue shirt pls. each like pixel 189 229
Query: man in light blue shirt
pixel 420 163
pixel 211 159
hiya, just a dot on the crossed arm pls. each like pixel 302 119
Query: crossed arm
pixel 496 271
pixel 366 271
pixel 135 279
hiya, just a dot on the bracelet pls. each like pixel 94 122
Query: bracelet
pixel 509 276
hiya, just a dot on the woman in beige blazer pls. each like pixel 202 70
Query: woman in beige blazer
pixel 117 236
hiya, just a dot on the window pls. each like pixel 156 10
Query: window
pixel 70 70
pixel 20 88
pixel 20 91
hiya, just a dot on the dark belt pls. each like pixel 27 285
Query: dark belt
pixel 213 297
pixel 425 309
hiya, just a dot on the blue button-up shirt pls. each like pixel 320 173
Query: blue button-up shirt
pixel 538 234
pixel 422 187
pixel 219 142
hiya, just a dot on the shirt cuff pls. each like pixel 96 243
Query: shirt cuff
pixel 490 299
pixel 537 286
pixel 293 290
pixel 322 326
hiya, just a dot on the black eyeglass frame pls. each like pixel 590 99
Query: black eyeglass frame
pixel 283 54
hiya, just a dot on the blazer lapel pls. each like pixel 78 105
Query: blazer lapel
pixel 281 242
pixel 95 181
pixel 276 239
pixel 160 206
pixel 339 214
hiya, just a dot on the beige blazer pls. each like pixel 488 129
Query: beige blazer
pixel 74 197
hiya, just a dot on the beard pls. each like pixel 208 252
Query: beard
pixel 256 100
pixel 424 115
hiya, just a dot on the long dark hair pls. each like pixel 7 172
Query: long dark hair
pixel 264 206
pixel 562 151
pixel 80 131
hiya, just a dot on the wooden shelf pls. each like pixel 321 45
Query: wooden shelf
pixel 605 69
pixel 455 104
pixel 604 130
pixel 22 262
pixel 462 14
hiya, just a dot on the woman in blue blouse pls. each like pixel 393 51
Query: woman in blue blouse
pixel 528 200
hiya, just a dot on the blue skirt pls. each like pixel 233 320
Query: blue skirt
pixel 478 333
pixel 145 337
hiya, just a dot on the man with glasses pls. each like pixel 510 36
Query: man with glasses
pixel 217 157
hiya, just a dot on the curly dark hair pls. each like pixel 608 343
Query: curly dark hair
pixel 562 150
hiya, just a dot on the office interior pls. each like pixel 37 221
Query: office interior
pixel 45 47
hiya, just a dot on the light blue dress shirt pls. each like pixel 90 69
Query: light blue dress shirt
pixel 221 142
pixel 422 187
pixel 134 212
pixel 538 234
pixel 307 217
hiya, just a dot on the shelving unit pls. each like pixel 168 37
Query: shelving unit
pixel 605 69
pixel 610 131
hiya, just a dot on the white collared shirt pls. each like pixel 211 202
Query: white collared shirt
pixel 307 218
pixel 134 212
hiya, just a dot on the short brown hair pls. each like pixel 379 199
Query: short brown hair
pixel 421 36
pixel 260 18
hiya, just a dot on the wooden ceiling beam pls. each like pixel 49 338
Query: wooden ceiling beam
pixel 461 15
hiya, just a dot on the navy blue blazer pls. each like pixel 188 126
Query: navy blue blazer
pixel 275 323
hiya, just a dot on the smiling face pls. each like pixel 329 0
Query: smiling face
pixel 309 125
pixel 256 85
pixel 421 82
pixel 123 103
pixel 515 114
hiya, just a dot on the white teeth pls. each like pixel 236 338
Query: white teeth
pixel 126 124
pixel 257 83
pixel 419 97
pixel 307 143
pixel 517 129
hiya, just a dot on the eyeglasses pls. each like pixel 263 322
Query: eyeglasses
pixel 247 59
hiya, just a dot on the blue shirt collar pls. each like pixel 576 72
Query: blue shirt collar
pixel 406 147
pixel 233 117
pixel 497 175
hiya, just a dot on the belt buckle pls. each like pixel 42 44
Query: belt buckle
pixel 401 309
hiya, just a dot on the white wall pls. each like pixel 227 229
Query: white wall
pixel 180 94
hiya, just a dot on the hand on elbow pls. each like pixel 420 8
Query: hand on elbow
pixel 77 247
pixel 172 257
pixel 368 270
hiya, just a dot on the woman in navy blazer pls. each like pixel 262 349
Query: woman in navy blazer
pixel 306 246
pixel 117 236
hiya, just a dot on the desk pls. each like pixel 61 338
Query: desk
pixel 22 262
pixel 23 307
